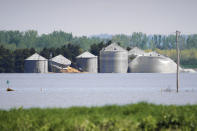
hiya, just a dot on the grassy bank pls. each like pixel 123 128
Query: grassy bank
pixel 140 116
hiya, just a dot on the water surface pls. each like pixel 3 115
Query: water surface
pixel 66 90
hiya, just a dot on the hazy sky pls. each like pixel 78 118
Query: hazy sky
pixel 87 17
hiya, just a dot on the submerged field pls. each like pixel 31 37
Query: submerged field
pixel 141 116
pixel 66 90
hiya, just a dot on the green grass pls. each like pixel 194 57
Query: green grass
pixel 141 116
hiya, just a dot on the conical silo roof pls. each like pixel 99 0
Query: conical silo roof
pixel 61 60
pixel 36 56
pixel 113 47
pixel 136 51
pixel 86 55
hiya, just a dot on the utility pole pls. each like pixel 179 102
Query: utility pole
pixel 50 62
pixel 178 61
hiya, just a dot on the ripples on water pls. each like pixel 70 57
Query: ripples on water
pixel 65 90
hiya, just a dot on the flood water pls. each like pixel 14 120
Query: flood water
pixel 66 90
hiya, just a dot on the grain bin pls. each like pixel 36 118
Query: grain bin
pixel 152 64
pixel 113 59
pixel 136 52
pixel 87 62
pixel 36 64
pixel 58 62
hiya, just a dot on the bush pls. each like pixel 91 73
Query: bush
pixel 141 116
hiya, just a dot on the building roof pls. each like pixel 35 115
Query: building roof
pixel 61 60
pixel 136 51
pixel 36 56
pixel 113 47
pixel 86 55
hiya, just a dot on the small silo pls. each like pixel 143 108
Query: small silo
pixel 136 52
pixel 36 64
pixel 58 62
pixel 87 62
pixel 113 59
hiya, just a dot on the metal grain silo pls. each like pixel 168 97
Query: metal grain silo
pixel 113 59
pixel 87 62
pixel 136 52
pixel 58 62
pixel 36 64
pixel 152 64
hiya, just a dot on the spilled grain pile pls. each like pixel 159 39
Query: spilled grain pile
pixel 69 70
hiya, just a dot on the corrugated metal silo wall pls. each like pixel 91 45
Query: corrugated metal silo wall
pixel 113 61
pixel 43 66
pixel 148 64
pixel 88 64
pixel 35 66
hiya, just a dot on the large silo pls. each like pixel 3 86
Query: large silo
pixel 36 64
pixel 113 59
pixel 87 62
pixel 152 64
pixel 58 62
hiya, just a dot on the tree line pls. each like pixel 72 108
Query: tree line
pixel 12 61
pixel 31 39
